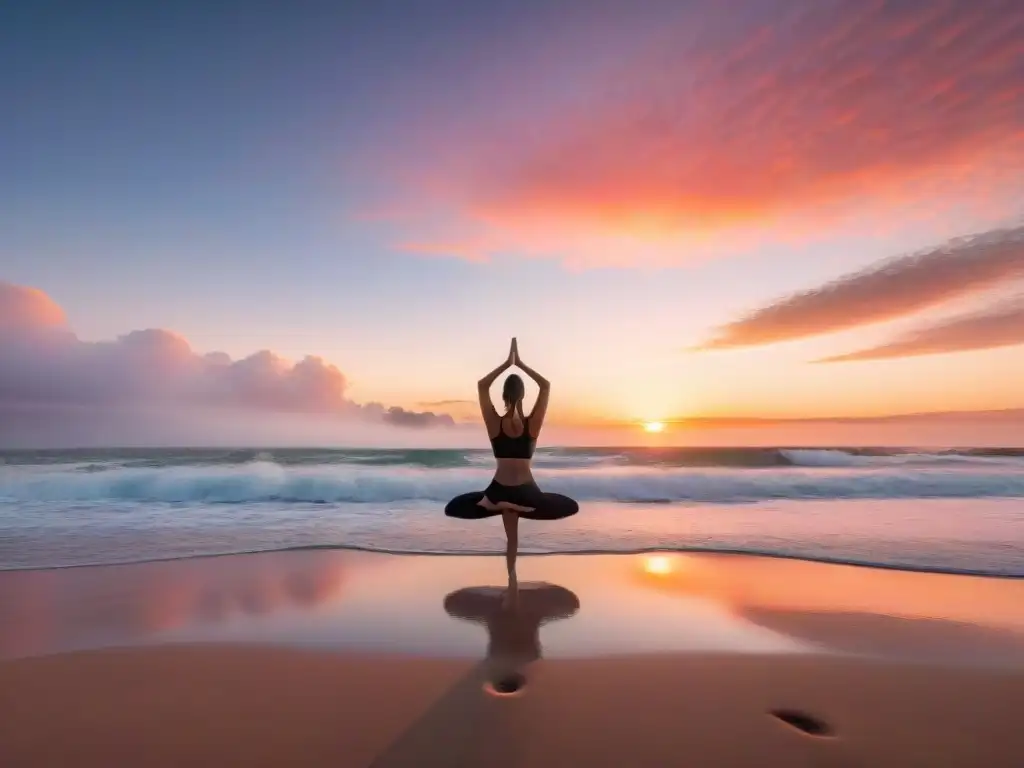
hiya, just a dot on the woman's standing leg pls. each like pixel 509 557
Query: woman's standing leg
pixel 511 522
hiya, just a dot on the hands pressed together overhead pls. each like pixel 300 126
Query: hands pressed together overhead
pixel 544 387
pixel 513 353
pixel 513 359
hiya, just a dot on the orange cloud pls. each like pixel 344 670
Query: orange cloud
pixel 28 310
pixel 1002 326
pixel 771 115
pixel 892 289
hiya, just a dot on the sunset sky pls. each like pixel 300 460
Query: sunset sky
pixel 685 210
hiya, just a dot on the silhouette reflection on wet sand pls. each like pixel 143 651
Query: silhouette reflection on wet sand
pixel 468 725
pixel 513 618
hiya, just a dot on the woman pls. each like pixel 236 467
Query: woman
pixel 513 492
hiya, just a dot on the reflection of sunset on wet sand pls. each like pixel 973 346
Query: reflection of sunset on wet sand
pixel 650 645
pixel 356 599
pixel 738 580
pixel 658 564
pixel 834 603
pixel 42 608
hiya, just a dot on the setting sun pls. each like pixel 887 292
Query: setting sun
pixel 654 426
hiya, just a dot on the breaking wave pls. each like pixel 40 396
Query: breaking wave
pixel 818 475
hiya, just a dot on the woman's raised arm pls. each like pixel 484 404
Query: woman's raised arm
pixel 540 408
pixel 483 389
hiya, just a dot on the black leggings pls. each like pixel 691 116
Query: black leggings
pixel 546 506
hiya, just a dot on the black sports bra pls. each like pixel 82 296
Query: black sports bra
pixel 508 447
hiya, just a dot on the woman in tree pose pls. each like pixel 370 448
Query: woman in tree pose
pixel 513 493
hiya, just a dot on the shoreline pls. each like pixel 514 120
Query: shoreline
pixel 977 537
pixel 725 552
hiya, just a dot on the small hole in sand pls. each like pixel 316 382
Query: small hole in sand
pixel 507 685
pixel 804 722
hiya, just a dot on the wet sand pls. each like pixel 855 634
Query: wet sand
pixel 356 659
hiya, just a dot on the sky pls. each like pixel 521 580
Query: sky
pixel 322 223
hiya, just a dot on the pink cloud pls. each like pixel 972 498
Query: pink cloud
pixel 1000 326
pixel 889 290
pixel 770 113
pixel 43 364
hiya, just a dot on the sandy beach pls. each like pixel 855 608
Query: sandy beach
pixel 355 659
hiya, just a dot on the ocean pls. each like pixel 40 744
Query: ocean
pixel 955 510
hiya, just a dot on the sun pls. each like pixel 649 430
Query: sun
pixel 654 426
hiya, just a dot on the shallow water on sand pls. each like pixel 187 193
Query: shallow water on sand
pixel 971 536
pixel 955 511
pixel 446 606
